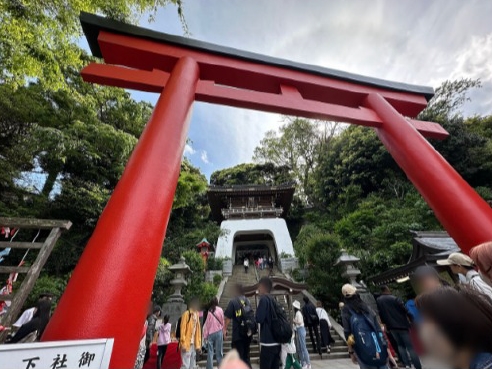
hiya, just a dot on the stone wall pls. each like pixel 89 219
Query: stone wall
pixel 287 265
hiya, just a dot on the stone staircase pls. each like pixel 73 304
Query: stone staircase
pixel 338 350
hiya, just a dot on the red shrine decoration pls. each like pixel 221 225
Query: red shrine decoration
pixel 204 248
pixel 111 286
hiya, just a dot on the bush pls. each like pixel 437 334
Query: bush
pixel 215 264
pixel 207 292
pixel 323 279
pixel 217 280
pixel 297 275
pixel 44 284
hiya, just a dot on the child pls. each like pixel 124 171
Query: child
pixel 163 340
pixel 288 355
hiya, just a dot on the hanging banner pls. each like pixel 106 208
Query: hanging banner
pixel 92 354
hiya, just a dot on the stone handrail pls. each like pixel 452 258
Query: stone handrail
pixel 220 290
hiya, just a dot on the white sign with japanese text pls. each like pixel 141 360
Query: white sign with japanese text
pixel 85 354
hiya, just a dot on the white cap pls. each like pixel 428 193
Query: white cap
pixel 348 290
pixel 457 258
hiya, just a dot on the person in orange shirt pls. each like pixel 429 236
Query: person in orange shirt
pixel 190 340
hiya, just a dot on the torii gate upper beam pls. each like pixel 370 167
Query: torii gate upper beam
pixel 245 80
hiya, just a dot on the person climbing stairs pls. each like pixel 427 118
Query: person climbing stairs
pixel 338 349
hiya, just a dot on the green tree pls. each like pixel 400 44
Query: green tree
pixel 303 239
pixel 197 287
pixel 38 39
pixel 324 278
pixel 191 184
pixel 353 166
pixel 245 174
pixel 297 147
pixel 162 287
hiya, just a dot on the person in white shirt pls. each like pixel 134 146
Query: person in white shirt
pixel 462 264
pixel 301 336
pixel 25 317
pixel 246 265
pixel 324 327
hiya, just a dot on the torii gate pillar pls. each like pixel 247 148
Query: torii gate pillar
pixel 110 289
pixel 108 294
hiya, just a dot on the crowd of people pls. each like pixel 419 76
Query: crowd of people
pixel 450 323
pixel 260 261
pixel 270 317
pixel 453 323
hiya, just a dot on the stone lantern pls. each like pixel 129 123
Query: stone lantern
pixel 348 263
pixel 175 306
pixel 349 270
pixel 180 271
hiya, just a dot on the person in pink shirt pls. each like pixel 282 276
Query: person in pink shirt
pixel 212 333
pixel 163 339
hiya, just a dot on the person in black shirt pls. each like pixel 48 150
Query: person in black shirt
pixel 395 316
pixel 233 312
pixel 311 321
pixel 270 349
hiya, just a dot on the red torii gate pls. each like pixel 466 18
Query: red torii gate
pixel 110 288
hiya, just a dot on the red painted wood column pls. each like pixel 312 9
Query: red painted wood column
pixel 462 212
pixel 110 289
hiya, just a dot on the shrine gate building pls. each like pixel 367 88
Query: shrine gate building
pixel 252 221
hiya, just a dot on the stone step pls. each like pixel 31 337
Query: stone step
pixel 338 349
pixel 314 357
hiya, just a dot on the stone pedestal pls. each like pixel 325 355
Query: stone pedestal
pixel 174 309
pixel 210 274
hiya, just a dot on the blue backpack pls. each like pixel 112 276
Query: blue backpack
pixel 370 345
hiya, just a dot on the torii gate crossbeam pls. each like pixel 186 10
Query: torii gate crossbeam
pixel 108 294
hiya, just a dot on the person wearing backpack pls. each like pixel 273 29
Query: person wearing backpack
pixel 365 338
pixel 275 328
pixel 240 312
pixel 311 320
pixel 301 335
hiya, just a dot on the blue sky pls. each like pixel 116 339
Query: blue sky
pixel 415 41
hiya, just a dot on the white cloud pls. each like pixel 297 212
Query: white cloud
pixel 418 42
pixel 189 150
pixel 204 157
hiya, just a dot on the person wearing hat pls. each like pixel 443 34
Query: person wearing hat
pixel 301 335
pixel 352 311
pixel 461 264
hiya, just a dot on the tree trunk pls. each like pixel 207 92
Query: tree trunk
pixel 50 182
